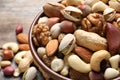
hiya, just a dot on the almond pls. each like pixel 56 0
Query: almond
pixel 84 53
pixel 51 47
pixel 22 38
pixel 24 47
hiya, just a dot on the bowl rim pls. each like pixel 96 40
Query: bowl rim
pixel 35 55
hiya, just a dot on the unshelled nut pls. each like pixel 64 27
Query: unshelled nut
pixel 90 40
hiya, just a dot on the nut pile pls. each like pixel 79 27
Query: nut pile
pixel 83 39
pixel 20 54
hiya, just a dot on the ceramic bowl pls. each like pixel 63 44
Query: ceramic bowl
pixel 33 49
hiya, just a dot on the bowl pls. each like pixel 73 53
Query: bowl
pixel 49 71
pixel 40 63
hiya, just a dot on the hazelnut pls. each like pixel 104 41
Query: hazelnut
pixel 7 54
pixel 67 26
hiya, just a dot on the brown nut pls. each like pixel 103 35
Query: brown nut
pixel 75 75
pixel 86 9
pixel 98 22
pixel 67 26
pixel 22 38
pixel 51 21
pixel 86 24
pixel 52 9
pixel 51 47
pixel 24 47
pixel 7 54
pixel 84 53
pixel 113 38
pixel 41 34
pixel 96 76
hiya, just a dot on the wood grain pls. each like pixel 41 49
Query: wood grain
pixel 12 14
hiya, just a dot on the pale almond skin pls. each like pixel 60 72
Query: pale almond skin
pixel 22 38
pixel 24 47
pixel 51 47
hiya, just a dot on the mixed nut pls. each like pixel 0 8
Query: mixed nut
pixel 80 38
pixel 20 54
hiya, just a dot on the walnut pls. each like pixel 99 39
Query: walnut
pixel 94 22
pixel 41 34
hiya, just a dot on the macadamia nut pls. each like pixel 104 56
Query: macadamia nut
pixel 57 64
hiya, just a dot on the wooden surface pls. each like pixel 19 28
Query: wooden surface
pixel 14 13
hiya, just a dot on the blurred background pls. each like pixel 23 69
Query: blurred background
pixel 12 14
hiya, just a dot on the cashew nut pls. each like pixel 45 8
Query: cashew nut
pixel 23 63
pixel 11 45
pixel 96 59
pixel 19 56
pixel 57 64
pixel 79 65
pixel 65 69
pixel 114 61
pixel 110 73
pixel 16 72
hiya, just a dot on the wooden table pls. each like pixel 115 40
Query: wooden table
pixel 14 13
